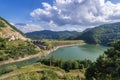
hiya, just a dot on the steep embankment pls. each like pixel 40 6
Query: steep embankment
pixel 13 43
pixel 9 31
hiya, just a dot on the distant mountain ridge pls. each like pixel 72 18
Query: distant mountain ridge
pixel 102 34
pixel 47 34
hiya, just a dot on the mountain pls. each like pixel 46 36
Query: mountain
pixel 47 34
pixel 9 31
pixel 102 34
pixel 13 43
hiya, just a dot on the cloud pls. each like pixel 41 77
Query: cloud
pixel 69 28
pixel 78 12
pixel 28 27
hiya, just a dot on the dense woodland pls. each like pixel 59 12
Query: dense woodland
pixel 51 35
pixel 103 34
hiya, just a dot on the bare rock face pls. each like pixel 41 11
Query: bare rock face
pixel 9 31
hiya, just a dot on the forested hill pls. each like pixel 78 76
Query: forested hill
pixel 47 34
pixel 102 34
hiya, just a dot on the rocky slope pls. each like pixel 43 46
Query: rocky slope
pixel 9 31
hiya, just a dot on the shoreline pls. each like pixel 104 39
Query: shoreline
pixel 43 54
pixel 57 47
pixel 19 60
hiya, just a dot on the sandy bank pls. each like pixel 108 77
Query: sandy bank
pixel 44 53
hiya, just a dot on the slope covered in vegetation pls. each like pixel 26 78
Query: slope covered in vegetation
pixel 16 49
pixel 102 34
pixel 47 34
pixel 13 43
pixel 42 72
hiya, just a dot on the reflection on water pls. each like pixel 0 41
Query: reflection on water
pixel 82 52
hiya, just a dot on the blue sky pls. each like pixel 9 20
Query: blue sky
pixel 58 14
pixel 114 1
pixel 18 10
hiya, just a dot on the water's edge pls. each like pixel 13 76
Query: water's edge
pixel 39 55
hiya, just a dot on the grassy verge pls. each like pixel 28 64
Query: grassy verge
pixel 40 72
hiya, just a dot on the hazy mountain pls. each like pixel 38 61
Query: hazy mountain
pixel 47 34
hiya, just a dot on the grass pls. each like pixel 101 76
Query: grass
pixel 32 68
pixel 16 43
pixel 36 70
pixel 66 41
pixel 40 71
pixel 16 49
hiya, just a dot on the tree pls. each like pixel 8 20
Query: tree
pixel 52 59
pixel 75 65
pixel 107 66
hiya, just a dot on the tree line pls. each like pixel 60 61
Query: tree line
pixel 66 65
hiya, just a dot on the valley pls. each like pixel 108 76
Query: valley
pixel 60 55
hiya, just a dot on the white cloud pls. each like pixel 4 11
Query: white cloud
pixel 28 27
pixel 78 12
pixel 12 23
pixel 69 28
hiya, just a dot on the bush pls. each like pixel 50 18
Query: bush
pixel 2 24
pixel 38 75
pixel 107 66
pixel 66 65
pixel 16 49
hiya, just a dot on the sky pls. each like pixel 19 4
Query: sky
pixel 59 15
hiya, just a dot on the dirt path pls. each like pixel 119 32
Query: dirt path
pixel 20 59
pixel 44 53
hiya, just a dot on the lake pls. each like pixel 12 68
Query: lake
pixel 82 52
pixel 20 64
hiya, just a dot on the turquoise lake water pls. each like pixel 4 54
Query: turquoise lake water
pixel 91 52
pixel 82 52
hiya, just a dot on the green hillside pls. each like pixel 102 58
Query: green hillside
pixel 42 72
pixel 47 34
pixel 16 49
pixel 102 34
pixel 13 43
